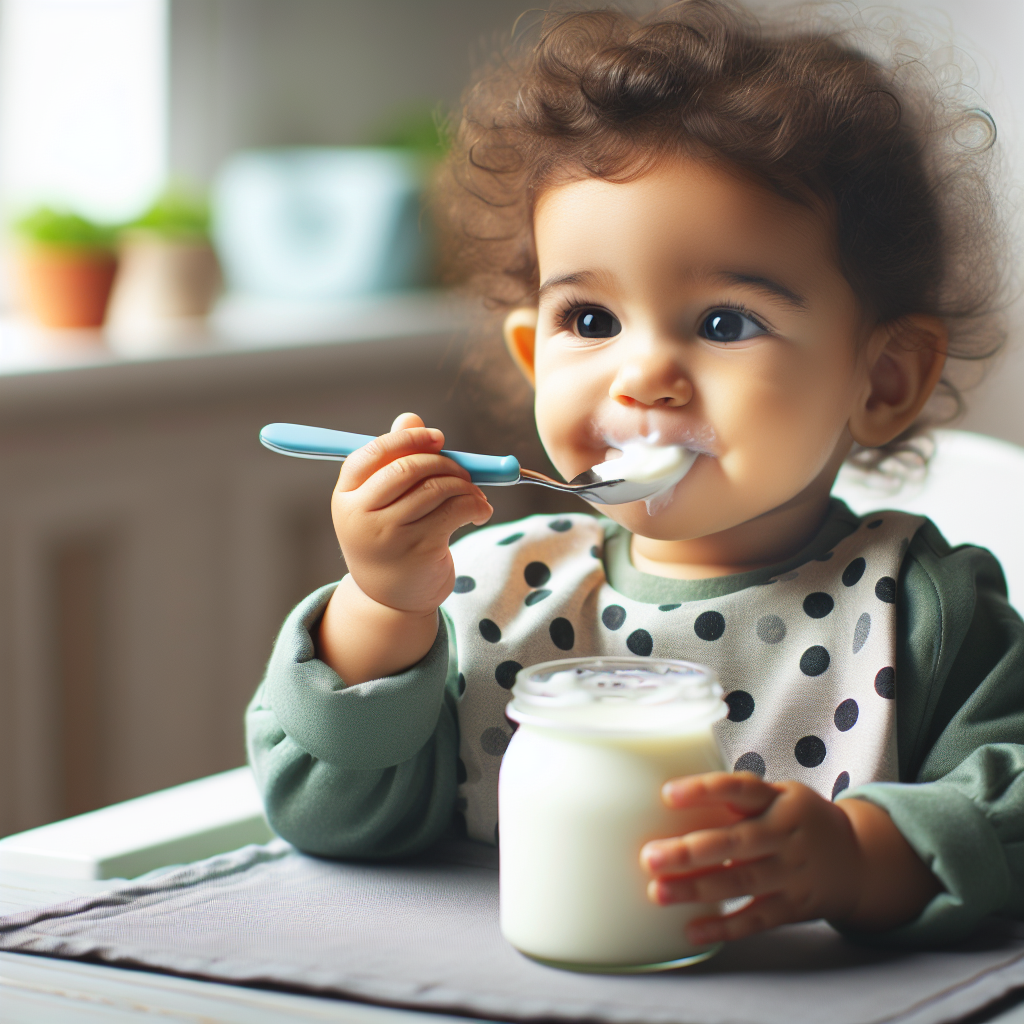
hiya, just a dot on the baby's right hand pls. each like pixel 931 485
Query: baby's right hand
pixel 396 504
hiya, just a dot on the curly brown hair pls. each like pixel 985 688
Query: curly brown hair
pixel 891 148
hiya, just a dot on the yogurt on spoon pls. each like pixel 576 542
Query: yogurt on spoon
pixel 654 468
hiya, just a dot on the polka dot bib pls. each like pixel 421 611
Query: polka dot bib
pixel 806 660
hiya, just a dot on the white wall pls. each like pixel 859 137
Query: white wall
pixel 992 31
pixel 319 72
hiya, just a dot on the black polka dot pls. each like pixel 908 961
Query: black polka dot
pixel 709 625
pixel 510 539
pixel 814 661
pixel 885 683
pixel 771 629
pixel 489 631
pixel 460 771
pixel 842 782
pixel 494 741
pixel 462 684
pixel 668 607
pixel 536 596
pixel 613 616
pixel 595 551
pixel 536 574
pixel 563 636
pixel 825 557
pixel 818 604
pixel 853 572
pixel 560 525
pixel 810 751
pixel 846 715
pixel 874 524
pixel 861 631
pixel 741 705
pixel 640 643
pixel 505 673
pixel 750 762
pixel 885 590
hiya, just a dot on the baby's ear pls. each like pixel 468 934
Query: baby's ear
pixel 905 359
pixel 520 334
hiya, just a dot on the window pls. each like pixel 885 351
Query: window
pixel 83 104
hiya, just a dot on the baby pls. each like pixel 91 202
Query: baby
pixel 761 246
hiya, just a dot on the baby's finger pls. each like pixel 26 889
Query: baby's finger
pixel 747 840
pixel 744 792
pixel 421 501
pixel 406 421
pixel 754 878
pixel 759 915
pixel 386 449
pixel 407 476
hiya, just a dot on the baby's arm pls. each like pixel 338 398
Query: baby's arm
pixel 959 803
pixel 800 856
pixel 395 507
pixel 366 771
pixel 369 770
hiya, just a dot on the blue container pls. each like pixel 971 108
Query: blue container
pixel 321 224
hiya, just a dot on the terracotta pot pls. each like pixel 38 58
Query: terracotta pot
pixel 66 287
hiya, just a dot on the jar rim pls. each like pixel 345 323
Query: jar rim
pixel 617 695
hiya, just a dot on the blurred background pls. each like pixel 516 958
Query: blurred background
pixel 211 221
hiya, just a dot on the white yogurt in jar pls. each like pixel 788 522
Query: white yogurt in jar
pixel 580 793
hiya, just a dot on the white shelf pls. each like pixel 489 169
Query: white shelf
pixel 247 340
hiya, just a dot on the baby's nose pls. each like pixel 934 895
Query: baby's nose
pixel 651 380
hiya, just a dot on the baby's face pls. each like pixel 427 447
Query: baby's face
pixel 696 304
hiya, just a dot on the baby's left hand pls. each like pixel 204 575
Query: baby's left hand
pixel 796 853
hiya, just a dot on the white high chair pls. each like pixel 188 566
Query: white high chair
pixel 973 492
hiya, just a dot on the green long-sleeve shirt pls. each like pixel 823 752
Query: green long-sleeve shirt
pixel 372 771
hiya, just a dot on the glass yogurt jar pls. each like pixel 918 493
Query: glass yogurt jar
pixel 580 793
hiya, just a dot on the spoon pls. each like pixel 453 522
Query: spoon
pixel 487 470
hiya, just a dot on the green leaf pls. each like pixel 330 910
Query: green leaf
pixel 48 226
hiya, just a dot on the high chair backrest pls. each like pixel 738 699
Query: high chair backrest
pixel 973 492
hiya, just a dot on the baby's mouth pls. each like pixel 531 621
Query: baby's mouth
pixel 655 458
pixel 699 442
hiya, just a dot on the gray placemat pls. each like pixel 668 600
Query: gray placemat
pixel 426 936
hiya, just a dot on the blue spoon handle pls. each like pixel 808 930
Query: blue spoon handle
pixel 337 445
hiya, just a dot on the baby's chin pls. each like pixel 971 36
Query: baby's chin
pixel 670 521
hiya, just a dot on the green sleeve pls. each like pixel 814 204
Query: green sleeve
pixel 367 771
pixel 960 731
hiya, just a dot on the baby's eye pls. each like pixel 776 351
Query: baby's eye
pixel 596 323
pixel 730 325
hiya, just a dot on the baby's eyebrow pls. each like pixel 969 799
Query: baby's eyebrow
pixel 579 277
pixel 765 284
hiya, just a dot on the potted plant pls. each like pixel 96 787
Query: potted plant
pixel 168 276
pixel 65 266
